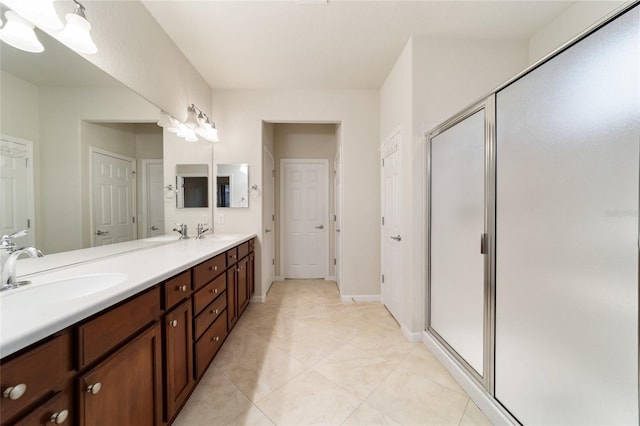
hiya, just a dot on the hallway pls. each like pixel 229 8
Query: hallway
pixel 304 357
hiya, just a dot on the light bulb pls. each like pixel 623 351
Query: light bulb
pixel 76 34
pixel 19 33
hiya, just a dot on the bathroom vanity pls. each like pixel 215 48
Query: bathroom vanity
pixel 130 354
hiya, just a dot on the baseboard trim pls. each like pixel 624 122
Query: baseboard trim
pixel 278 278
pixel 360 298
pixel 258 299
pixel 412 336
pixel 331 278
pixel 489 406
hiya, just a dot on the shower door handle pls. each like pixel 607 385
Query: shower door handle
pixel 483 243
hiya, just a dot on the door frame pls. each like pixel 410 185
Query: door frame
pixel 488 105
pixel 337 222
pixel 269 263
pixel 31 209
pixel 282 233
pixel 145 192
pixel 92 225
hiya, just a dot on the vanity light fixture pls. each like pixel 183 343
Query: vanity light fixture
pixel 19 33
pixel 41 13
pixel 76 34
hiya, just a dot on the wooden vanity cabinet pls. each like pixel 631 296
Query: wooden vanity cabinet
pixel 32 378
pixel 126 388
pixel 232 297
pixel 178 358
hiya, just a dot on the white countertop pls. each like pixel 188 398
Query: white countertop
pixel 145 263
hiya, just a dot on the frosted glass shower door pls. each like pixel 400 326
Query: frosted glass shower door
pixel 457 221
pixel 567 147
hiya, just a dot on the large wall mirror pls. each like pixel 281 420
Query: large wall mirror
pixel 61 120
pixel 232 185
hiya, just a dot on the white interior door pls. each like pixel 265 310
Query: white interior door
pixel 268 219
pixel 113 195
pixel 305 189
pixel 153 197
pixel 16 189
pixel 337 219
pixel 392 245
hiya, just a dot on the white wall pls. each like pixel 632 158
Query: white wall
pixel 577 18
pixel 133 48
pixel 239 117
pixel 432 80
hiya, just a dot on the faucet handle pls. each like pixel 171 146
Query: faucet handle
pixel 6 241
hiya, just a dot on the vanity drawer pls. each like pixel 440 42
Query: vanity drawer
pixel 208 270
pixel 177 289
pixel 40 369
pixel 205 295
pixel 243 250
pixel 104 332
pixel 55 409
pixel 210 342
pixel 209 315
pixel 252 244
pixel 232 256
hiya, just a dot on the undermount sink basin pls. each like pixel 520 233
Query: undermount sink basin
pixel 66 290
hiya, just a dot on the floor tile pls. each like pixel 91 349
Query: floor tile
pixel 309 399
pixel 366 415
pixel 309 345
pixel 473 416
pixel 360 370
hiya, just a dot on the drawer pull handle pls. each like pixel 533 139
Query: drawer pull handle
pixel 214 312
pixel 15 392
pixel 94 389
pixel 173 323
pixel 59 418
pixel 181 288
pixel 214 291
pixel 213 268
pixel 215 339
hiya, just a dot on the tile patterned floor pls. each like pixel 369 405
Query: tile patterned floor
pixel 305 358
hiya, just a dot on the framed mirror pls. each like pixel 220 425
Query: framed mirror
pixel 232 185
pixel 192 183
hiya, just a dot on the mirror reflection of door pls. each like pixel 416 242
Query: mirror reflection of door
pixel 192 181
pixel 224 191
pixel 153 198
pixel 112 198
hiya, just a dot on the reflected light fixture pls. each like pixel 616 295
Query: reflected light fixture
pixel 76 34
pixel 196 124
pixel 19 33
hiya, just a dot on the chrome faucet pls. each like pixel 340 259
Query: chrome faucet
pixel 9 256
pixel 201 230
pixel 182 230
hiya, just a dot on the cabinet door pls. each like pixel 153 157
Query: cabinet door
pixel 243 285
pixel 178 356
pixel 125 389
pixel 251 274
pixel 232 297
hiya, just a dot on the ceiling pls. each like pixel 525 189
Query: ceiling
pixel 342 44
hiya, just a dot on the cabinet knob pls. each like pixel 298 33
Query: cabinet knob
pixel 181 288
pixel 214 312
pixel 14 392
pixel 95 388
pixel 59 418
pixel 173 323
pixel 213 268
pixel 214 291
pixel 215 339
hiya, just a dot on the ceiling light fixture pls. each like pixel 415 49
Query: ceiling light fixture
pixel 19 33
pixel 76 34
pixel 41 13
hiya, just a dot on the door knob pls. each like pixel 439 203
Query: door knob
pixel 337 230
pixel 398 238
pixel 154 228
pixel 99 232
pixel 266 231
pixel 320 227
